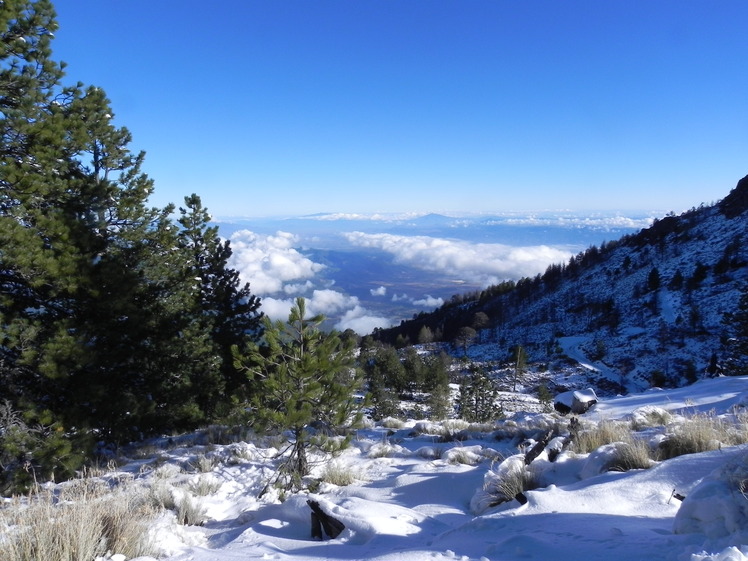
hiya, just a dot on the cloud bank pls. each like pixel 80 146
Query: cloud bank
pixel 278 274
pixel 480 263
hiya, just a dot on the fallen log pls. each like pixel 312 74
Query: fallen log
pixel 538 448
pixel 323 521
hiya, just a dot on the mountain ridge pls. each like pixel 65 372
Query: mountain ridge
pixel 650 305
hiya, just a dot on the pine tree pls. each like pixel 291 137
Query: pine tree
pixel 415 370
pixel 478 398
pixel 306 376
pixel 103 323
pixel 440 402
pixel 223 306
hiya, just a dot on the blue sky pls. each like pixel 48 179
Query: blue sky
pixel 284 107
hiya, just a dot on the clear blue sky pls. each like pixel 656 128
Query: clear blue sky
pixel 267 107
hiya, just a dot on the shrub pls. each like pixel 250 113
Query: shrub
pixel 392 423
pixel 34 448
pixel 166 471
pixel 649 416
pixel 632 454
pixel 205 464
pixel 463 456
pixel 161 495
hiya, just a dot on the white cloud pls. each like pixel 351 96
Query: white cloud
pixel 381 291
pixel 329 302
pixel 278 273
pixel 269 263
pixel 600 222
pixel 276 308
pixel 359 320
pixel 480 263
pixel 429 301
pixel 298 289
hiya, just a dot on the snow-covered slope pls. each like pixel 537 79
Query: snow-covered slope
pixel 647 306
pixel 411 500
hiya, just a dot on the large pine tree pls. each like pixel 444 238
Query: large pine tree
pixel 115 321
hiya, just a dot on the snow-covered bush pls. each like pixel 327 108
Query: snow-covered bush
pixel 190 511
pixel 468 455
pixel 617 456
pixel 386 450
pixel 649 416
pixel 204 485
pixel 392 423
pixel 717 507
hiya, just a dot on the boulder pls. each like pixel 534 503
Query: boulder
pixel 577 401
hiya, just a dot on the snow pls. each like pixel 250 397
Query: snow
pixel 417 498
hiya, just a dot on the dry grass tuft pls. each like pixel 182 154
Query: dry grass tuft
pixel 90 522
pixel 604 432
pixel 339 475
pixel 631 454
pixel 190 512
pixel 392 423
pixel 700 433
pixel 204 485
pixel 511 483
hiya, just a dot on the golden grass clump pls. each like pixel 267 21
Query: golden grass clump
pixel 90 521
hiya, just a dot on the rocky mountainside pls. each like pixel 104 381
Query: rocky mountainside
pixel 647 309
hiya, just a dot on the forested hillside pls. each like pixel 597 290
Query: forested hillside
pixel 653 307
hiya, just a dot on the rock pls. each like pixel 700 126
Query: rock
pixel 577 402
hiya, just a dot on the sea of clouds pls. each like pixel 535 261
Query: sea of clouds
pixel 280 266
pixel 279 272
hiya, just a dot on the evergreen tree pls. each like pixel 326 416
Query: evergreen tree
pixel 415 370
pixel 653 280
pixel 478 398
pixel 385 379
pixel 436 371
pixel 224 306
pixel 545 397
pixel 440 402
pixel 103 326
pixel 306 376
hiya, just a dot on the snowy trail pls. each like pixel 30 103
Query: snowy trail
pixel 572 347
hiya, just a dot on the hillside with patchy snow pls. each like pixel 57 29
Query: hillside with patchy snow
pixel 648 307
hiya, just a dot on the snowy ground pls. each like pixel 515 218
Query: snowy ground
pixel 416 498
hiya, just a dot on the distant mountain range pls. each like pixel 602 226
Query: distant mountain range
pixel 649 306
